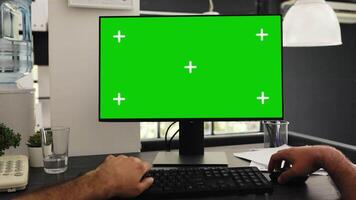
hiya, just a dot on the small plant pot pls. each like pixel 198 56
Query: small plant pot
pixel 35 156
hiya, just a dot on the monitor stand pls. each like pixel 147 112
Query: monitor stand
pixel 191 149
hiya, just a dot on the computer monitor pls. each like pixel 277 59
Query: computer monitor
pixel 190 69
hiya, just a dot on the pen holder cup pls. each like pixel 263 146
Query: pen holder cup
pixel 275 133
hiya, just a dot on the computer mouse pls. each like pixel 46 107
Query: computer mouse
pixel 300 180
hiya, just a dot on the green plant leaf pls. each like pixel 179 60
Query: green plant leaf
pixel 8 138
pixel 34 140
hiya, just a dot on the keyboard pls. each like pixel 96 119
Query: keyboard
pixel 211 181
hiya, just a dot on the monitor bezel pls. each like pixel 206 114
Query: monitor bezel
pixel 189 119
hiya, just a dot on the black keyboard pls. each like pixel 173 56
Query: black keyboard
pixel 206 181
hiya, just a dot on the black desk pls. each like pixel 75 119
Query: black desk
pixel 316 188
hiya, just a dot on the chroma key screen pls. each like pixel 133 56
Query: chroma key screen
pixel 190 67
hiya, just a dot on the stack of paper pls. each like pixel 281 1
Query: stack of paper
pixel 260 157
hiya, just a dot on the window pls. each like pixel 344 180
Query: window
pixel 152 130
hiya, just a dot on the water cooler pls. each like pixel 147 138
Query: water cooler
pixel 16 61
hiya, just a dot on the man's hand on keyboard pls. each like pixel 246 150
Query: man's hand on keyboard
pixel 117 176
pixel 122 176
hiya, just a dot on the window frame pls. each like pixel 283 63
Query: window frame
pixel 212 133
pixel 157 144
pixel 210 141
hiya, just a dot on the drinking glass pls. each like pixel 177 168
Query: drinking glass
pixel 55 149
pixel 275 133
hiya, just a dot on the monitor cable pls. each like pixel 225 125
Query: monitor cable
pixel 170 141
pixel 166 136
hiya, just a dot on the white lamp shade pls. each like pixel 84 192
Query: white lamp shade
pixel 311 23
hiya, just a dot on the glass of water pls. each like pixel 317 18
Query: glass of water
pixel 55 149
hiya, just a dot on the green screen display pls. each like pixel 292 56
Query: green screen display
pixel 191 67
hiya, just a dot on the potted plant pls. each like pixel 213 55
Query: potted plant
pixel 35 150
pixel 8 138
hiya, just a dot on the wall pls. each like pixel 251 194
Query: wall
pixel 17 113
pixel 320 89
pixel 73 61
pixel 44 94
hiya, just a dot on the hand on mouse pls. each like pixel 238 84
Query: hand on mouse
pixel 303 161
